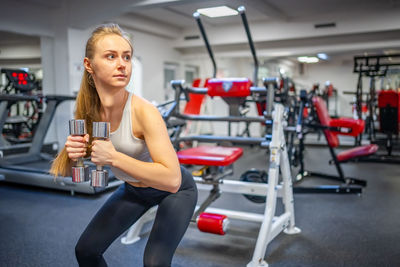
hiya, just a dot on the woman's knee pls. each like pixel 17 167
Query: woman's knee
pixel 85 252
pixel 81 250
pixel 188 182
pixel 156 260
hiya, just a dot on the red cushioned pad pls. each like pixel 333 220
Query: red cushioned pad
pixel 356 152
pixel 325 119
pixel 229 87
pixel 356 126
pixel 388 98
pixel 210 155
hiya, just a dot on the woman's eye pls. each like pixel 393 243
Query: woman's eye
pixel 110 56
pixel 127 57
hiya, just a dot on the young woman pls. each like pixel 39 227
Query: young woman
pixel 139 152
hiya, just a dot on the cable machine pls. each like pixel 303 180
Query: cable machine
pixel 386 102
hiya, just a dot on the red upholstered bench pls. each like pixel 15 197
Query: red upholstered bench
pixel 342 126
pixel 360 151
pixel 354 128
pixel 210 155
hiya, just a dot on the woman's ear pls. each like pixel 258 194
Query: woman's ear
pixel 87 65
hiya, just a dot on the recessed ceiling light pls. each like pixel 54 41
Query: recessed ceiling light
pixel 307 59
pixel 218 11
pixel 322 56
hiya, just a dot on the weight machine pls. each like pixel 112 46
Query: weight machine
pixel 318 119
pixel 238 106
pixel 387 103
pixel 217 163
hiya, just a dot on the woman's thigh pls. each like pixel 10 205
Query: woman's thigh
pixel 173 217
pixel 119 212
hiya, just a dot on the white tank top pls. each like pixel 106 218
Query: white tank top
pixel 125 142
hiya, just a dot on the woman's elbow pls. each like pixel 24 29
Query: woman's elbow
pixel 175 184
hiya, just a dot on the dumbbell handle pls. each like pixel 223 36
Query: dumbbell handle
pixel 77 128
pixel 101 131
pixel 79 162
pixel 99 167
pixel 79 171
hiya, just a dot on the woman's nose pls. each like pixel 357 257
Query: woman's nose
pixel 121 63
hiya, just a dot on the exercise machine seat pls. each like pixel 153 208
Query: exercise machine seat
pixel 360 151
pixel 229 87
pixel 351 126
pixel 210 155
pixel 331 136
pixel 325 119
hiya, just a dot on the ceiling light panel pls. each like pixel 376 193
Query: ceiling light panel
pixel 219 11
pixel 307 59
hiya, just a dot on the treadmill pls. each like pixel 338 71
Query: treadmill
pixel 28 163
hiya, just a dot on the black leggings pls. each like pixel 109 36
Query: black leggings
pixel 125 207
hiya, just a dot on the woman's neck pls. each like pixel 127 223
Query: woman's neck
pixel 112 102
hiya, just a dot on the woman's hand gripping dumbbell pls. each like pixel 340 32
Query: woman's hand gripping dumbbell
pixel 102 151
pixel 76 148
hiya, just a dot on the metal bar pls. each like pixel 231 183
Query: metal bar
pixel 196 90
pixel 216 139
pixel 222 118
pixel 373 65
pixel 270 84
pixel 237 215
pixel 327 189
pixel 196 15
pixel 239 187
pixel 279 223
pixel 15 98
pixel 258 90
pixel 242 11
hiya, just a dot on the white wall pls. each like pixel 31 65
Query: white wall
pixel 339 73
pixel 76 50
pixel 153 51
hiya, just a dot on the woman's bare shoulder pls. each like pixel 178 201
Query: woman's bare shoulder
pixel 143 108
pixel 142 105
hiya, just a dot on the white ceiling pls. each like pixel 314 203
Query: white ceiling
pixel 361 25
pixel 179 12
pixel 279 27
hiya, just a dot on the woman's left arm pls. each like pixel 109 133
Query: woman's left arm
pixel 164 172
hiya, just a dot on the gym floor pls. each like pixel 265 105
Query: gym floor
pixel 40 227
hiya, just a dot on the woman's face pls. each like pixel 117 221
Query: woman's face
pixel 111 65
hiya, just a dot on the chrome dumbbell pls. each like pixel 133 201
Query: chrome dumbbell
pixel 80 172
pixel 101 131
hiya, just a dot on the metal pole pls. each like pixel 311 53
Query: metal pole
pixel 196 15
pixel 242 11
